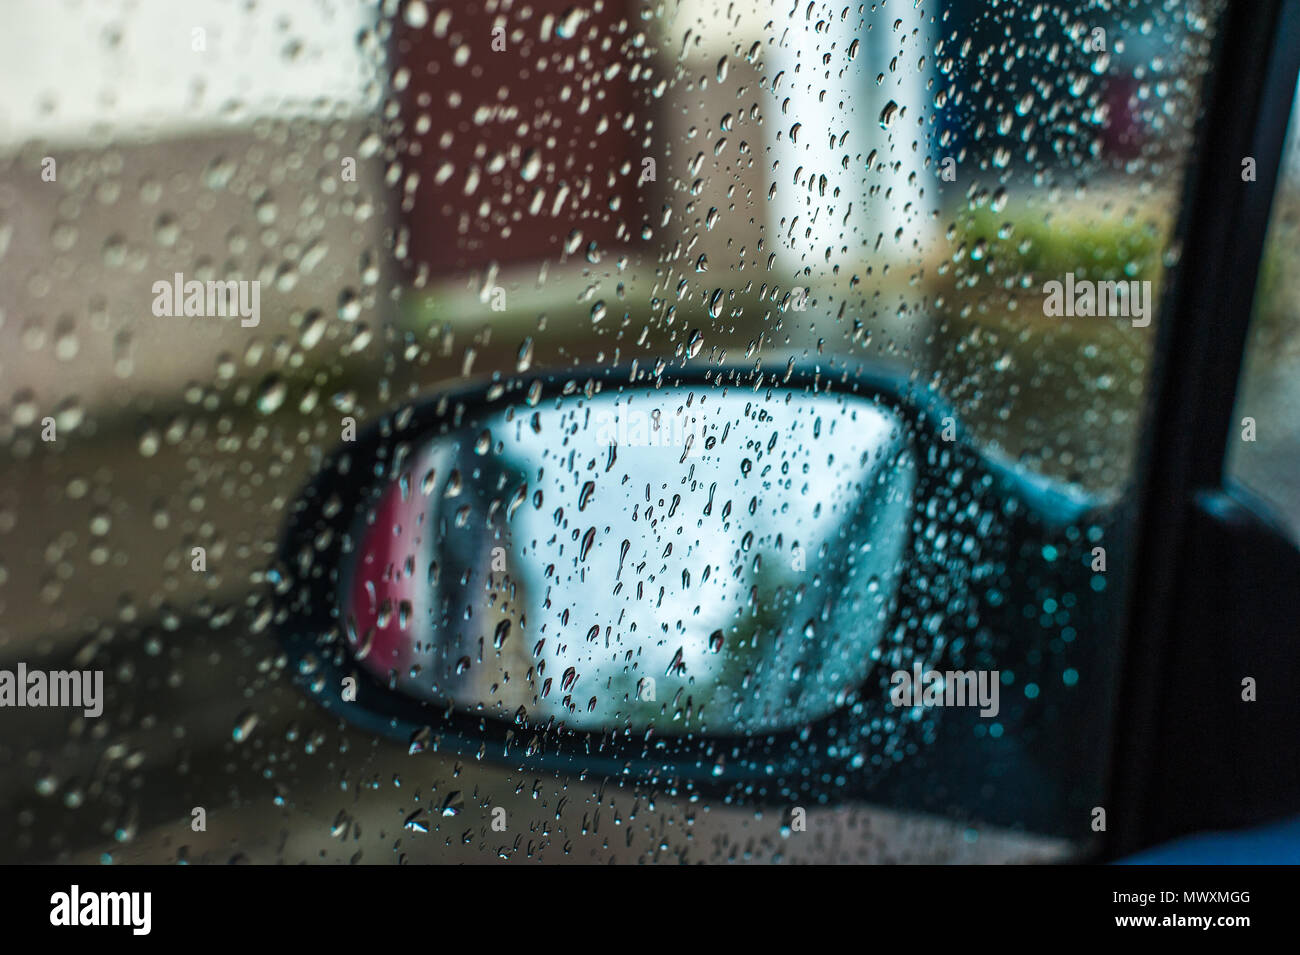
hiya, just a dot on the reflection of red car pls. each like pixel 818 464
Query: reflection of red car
pixel 387 592
pixel 511 163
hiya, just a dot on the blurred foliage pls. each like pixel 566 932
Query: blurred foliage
pixel 1033 249
pixel 1277 294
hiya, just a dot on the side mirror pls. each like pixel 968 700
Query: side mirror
pixel 710 577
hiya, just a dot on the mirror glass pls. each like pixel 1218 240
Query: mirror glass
pixel 677 560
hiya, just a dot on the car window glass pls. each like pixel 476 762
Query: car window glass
pixel 1264 440
pixel 234 235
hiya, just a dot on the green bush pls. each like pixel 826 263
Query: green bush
pixel 1023 243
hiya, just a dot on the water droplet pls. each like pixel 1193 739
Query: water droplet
pixel 570 20
pixel 245 723
pixel 271 395
pixel 416 14
pixel 532 166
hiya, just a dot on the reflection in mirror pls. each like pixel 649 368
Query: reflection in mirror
pixel 677 560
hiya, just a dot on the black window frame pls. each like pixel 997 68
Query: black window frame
pixel 1212 593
